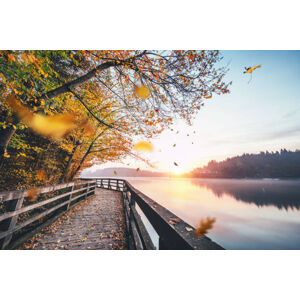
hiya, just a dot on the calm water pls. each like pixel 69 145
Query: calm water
pixel 250 214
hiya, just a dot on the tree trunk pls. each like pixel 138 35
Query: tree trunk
pixel 65 171
pixel 5 137
pixel 82 161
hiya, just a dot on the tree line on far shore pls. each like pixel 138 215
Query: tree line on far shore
pixel 279 164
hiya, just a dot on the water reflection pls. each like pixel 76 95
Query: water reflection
pixel 250 214
pixel 284 194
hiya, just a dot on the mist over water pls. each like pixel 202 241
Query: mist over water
pixel 250 213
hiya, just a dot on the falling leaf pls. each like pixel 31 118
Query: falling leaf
pixel 56 126
pixel 41 174
pixel 11 57
pixel 204 226
pixel 250 70
pixel 143 146
pixel 175 164
pixel 174 145
pixel 32 194
pixel 6 155
pixel 115 173
pixel 188 228
pixel 142 91
pixel 137 169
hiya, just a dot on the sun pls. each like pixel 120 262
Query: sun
pixel 177 171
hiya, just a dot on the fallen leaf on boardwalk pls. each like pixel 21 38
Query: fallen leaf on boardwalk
pixel 142 91
pixel 176 220
pixel 32 194
pixel 204 226
pixel 115 173
pixel 188 228
pixel 143 146
pixel 175 164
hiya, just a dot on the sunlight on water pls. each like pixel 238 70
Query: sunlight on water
pixel 250 214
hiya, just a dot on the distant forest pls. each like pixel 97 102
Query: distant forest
pixel 263 165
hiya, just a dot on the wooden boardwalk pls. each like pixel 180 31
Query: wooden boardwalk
pixel 96 223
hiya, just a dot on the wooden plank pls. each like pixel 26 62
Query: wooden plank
pixel 143 233
pixel 11 223
pixel 173 236
pixel 20 226
pixel 36 205
pixel 7 196
pixel 137 241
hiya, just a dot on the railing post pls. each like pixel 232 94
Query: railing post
pixel 10 223
pixel 87 190
pixel 72 188
pixel 95 186
pixel 131 204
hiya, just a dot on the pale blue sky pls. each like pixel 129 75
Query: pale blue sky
pixel 262 115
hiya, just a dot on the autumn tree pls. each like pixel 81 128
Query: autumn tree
pixel 122 93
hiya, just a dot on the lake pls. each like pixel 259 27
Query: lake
pixel 250 213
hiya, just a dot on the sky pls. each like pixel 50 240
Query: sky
pixel 261 115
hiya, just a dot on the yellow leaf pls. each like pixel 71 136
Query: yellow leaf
pixel 24 56
pixel 32 194
pixel 137 169
pixel 174 145
pixel 6 155
pixel 143 146
pixel 250 70
pixel 142 91
pixel 56 126
pixel 204 226
pixel 115 173
pixel 11 57
pixel 41 174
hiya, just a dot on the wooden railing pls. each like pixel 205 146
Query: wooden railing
pixel 20 218
pixel 173 232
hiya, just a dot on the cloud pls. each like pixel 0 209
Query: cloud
pixel 258 137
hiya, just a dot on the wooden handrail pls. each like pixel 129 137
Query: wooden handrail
pixel 171 236
pixel 70 193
